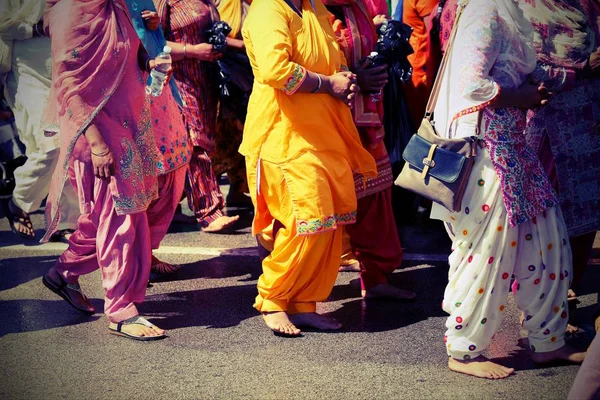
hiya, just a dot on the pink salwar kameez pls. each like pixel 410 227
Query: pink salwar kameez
pixel 97 80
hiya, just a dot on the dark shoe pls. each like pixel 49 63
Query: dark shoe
pixel 71 293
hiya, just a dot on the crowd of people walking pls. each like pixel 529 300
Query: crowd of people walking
pixel 303 90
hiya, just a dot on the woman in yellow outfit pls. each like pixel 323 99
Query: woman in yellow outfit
pixel 301 148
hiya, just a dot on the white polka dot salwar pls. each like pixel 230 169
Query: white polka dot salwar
pixel 487 252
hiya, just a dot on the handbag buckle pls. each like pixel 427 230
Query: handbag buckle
pixel 428 162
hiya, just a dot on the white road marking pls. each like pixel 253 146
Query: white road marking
pixel 183 250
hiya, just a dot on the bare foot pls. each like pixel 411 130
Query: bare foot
pixel 280 323
pixel 221 223
pixel 316 321
pixel 480 367
pixel 354 267
pixel 137 328
pixel 388 291
pixel 565 353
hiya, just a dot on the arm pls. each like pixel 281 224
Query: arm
pixel 102 158
pixel 482 44
pixel 272 49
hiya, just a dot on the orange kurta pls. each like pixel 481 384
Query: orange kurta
pixel 301 151
pixel 282 125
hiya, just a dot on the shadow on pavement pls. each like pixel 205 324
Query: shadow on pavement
pixel 218 307
pixel 39 315
pixel 375 315
pixel 227 266
pixel 16 271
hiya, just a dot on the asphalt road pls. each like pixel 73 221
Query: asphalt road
pixel 218 346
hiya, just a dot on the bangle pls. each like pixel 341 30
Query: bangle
pixel 104 153
pixel 184 50
pixel 318 85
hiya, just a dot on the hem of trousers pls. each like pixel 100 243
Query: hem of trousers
pixel 206 221
pixel 544 346
pixel 123 314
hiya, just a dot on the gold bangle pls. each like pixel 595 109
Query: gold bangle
pixel 104 153
pixel 184 50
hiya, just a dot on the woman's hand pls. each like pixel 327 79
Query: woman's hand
pixel 342 86
pixel 103 162
pixel 530 95
pixel 152 64
pixel 371 79
pixel 380 20
pixel 203 52
pixel 151 20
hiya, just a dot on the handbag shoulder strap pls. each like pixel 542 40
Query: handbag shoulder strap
pixel 435 92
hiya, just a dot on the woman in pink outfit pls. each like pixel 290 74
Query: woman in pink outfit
pixel 109 154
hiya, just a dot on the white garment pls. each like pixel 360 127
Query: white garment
pixel 26 90
pixel 487 252
pixel 17 18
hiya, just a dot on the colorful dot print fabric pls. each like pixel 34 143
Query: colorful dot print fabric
pixel 487 254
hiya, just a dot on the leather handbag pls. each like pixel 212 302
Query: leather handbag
pixel 438 168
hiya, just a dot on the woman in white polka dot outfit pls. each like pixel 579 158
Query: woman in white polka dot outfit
pixel 509 224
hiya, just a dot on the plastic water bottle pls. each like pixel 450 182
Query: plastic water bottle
pixel 159 72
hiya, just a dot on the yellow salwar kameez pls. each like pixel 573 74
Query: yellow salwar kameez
pixel 301 152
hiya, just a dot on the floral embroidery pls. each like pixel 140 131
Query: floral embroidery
pixel 324 224
pixel 294 81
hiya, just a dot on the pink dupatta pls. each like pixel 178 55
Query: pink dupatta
pixel 358 39
pixel 95 77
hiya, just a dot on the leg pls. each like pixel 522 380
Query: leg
pixel 349 261
pixel 376 245
pixel 204 195
pixel 587 382
pixel 160 214
pixel 161 211
pixel 544 272
pixel 32 184
pixel 300 270
pixel 481 264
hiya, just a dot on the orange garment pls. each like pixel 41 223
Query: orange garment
pixel 282 125
pixel 300 270
pixel 301 151
pixel 417 90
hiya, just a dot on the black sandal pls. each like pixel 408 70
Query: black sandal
pixel 14 219
pixel 60 288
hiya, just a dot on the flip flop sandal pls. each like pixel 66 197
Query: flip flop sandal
pixel 13 218
pixel 60 289
pixel 137 320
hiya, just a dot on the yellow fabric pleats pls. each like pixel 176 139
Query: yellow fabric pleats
pixel 301 270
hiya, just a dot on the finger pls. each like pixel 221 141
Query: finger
pixel 96 172
pixel 351 96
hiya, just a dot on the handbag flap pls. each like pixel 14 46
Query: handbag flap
pixel 446 166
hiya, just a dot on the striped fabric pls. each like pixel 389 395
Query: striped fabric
pixel 202 189
pixel 186 21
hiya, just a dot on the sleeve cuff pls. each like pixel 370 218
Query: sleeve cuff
pixel 295 80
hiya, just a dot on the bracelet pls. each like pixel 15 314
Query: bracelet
pixel 104 153
pixel 319 84
pixel 184 50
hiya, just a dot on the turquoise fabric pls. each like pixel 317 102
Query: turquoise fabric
pixel 153 41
